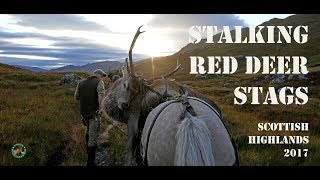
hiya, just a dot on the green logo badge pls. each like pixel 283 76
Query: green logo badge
pixel 18 150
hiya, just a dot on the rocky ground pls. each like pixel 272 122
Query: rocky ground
pixel 103 156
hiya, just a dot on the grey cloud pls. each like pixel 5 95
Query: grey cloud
pixel 62 41
pixel 68 48
pixel 79 53
pixel 58 22
pixel 70 51
pixel 187 20
pixel 7 35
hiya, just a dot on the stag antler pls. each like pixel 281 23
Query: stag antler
pixel 127 65
pixel 169 74
pixel 130 51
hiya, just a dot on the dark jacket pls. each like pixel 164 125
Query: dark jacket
pixel 89 103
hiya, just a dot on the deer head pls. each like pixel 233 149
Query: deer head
pixel 128 87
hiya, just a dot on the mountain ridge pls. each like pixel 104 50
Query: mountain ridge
pixel 104 65
pixel 31 68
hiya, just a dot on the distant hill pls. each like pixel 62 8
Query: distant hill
pixel 5 69
pixel 105 65
pixel 34 69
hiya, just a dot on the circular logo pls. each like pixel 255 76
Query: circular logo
pixel 18 150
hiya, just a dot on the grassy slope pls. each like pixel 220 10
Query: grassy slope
pixel 33 112
pixel 37 112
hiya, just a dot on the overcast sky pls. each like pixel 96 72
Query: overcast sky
pixel 54 40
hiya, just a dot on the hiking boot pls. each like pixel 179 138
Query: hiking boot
pixel 91 156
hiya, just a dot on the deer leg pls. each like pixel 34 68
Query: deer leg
pixel 132 136
pixel 138 156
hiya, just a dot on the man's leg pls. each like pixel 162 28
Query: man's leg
pixel 94 130
pixel 85 122
pixel 87 139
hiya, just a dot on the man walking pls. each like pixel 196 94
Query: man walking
pixel 90 92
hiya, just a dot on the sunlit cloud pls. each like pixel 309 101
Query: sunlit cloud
pixel 28 57
pixel 34 42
